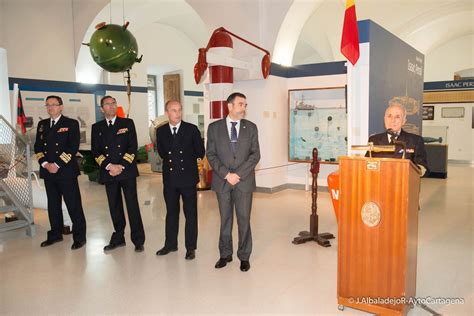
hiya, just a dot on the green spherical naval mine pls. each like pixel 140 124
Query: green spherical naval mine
pixel 113 47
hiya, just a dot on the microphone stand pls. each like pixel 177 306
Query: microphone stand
pixel 397 142
pixel 403 144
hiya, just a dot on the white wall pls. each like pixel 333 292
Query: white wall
pixel 256 21
pixel 268 108
pixel 2 28
pixel 442 62
pixel 460 136
pixel 38 36
pixel 5 108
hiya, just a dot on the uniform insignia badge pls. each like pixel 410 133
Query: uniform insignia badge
pixel 122 131
pixel 63 129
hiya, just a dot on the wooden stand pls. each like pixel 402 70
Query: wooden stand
pixel 378 234
pixel 313 235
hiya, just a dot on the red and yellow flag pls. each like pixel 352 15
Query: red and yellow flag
pixel 20 116
pixel 350 34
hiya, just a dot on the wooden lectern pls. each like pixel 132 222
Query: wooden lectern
pixel 378 234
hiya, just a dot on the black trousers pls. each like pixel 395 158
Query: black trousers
pixel 189 196
pixel 114 196
pixel 56 190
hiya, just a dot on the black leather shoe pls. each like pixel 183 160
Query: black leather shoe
pixel 222 262
pixel 49 242
pixel 139 248
pixel 78 244
pixel 67 230
pixel 112 246
pixel 190 255
pixel 165 250
pixel 244 266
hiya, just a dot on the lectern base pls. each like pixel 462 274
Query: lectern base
pixel 322 239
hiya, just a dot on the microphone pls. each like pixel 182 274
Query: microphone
pixel 391 132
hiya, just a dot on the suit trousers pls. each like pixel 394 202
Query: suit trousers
pixel 56 190
pixel 242 201
pixel 189 196
pixel 114 197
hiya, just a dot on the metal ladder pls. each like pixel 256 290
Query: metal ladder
pixel 15 179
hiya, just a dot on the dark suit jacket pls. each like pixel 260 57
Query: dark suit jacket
pixel 59 145
pixel 223 160
pixel 415 148
pixel 180 154
pixel 115 145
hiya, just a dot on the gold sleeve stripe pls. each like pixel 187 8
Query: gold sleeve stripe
pixel 39 155
pixel 100 159
pixel 129 157
pixel 65 157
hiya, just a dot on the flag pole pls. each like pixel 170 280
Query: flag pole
pixel 14 110
pixel 14 105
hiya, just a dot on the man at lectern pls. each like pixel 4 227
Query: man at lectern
pixel 395 117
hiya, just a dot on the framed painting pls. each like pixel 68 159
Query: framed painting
pixel 317 118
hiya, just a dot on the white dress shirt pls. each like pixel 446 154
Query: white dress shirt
pixel 177 127
pixel 55 120
pixel 112 119
pixel 229 126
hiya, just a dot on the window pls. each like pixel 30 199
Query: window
pixel 152 96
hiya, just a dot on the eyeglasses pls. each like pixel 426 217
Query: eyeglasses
pixel 110 103
pixel 46 105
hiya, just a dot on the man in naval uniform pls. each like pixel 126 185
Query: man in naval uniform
pixel 56 146
pixel 394 119
pixel 179 144
pixel 114 147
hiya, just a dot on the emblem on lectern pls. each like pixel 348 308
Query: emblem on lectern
pixel 370 214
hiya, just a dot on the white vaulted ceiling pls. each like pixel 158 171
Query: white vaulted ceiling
pixel 424 24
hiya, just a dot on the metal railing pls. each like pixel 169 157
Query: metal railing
pixel 15 179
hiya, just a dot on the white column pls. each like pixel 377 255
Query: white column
pixel 358 99
pixel 5 109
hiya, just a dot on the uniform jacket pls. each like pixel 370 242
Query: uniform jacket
pixel 180 154
pixel 116 145
pixel 58 144
pixel 415 148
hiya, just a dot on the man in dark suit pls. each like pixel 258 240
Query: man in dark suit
pixel 56 146
pixel 179 145
pixel 394 119
pixel 114 146
pixel 233 152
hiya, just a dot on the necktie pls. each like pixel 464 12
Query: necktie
pixel 52 123
pixel 110 123
pixel 393 139
pixel 174 131
pixel 233 135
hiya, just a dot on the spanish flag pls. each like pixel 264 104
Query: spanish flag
pixel 21 117
pixel 350 34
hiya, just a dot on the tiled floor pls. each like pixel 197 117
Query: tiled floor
pixel 284 279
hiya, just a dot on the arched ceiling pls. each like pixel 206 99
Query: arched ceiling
pixel 177 14
pixel 424 24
